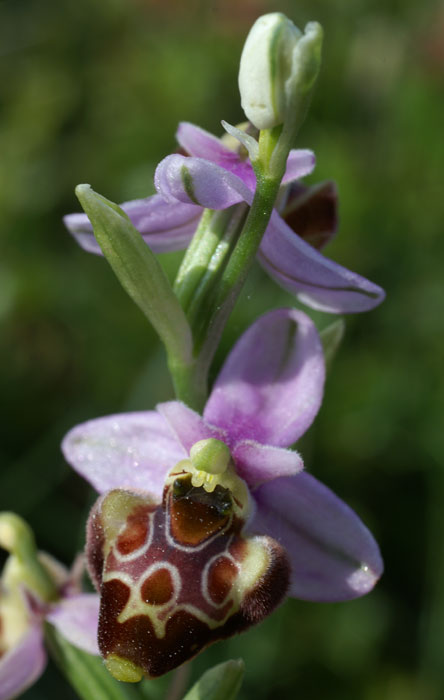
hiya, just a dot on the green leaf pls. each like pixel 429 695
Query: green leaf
pixel 222 682
pixel 139 272
pixel 86 673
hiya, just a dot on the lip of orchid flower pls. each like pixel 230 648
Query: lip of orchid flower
pixel 22 651
pixel 266 396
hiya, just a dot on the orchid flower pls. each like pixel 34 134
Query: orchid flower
pixel 221 175
pixel 23 614
pixel 205 523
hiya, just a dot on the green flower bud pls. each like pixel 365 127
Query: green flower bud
pixel 278 66
pixel 24 566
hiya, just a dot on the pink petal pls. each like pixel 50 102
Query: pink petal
pixel 201 144
pixel 128 450
pixel 23 664
pixel 316 280
pixel 270 387
pixel 194 180
pixel 77 619
pixel 220 184
pixel 300 162
pixel 333 555
pixel 187 425
pixel 258 464
pixel 164 227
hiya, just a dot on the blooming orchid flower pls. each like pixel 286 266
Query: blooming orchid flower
pixel 22 616
pixel 205 523
pixel 220 176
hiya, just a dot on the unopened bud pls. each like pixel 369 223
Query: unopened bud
pixel 278 66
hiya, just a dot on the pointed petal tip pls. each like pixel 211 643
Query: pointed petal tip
pixel 333 555
pixel 83 191
pixel 321 283
pixel 301 162
pixel 364 579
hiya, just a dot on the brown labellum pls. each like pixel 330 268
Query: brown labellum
pixel 177 576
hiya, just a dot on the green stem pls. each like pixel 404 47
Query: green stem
pixel 216 265
pixel 198 275
pixel 236 271
pixel 190 383
pixel 268 140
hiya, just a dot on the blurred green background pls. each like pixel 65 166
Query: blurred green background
pixel 92 91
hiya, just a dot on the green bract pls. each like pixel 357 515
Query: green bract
pixel 222 682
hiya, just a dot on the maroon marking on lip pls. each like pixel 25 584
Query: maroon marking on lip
pixel 114 596
pixel 238 548
pixel 221 576
pixel 136 640
pixel 136 531
pixel 158 588
pixel 196 514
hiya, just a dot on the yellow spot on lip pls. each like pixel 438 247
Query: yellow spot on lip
pixel 123 669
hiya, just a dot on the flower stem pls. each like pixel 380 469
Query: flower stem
pixel 198 275
pixel 190 383
pixel 221 303
pixel 217 263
